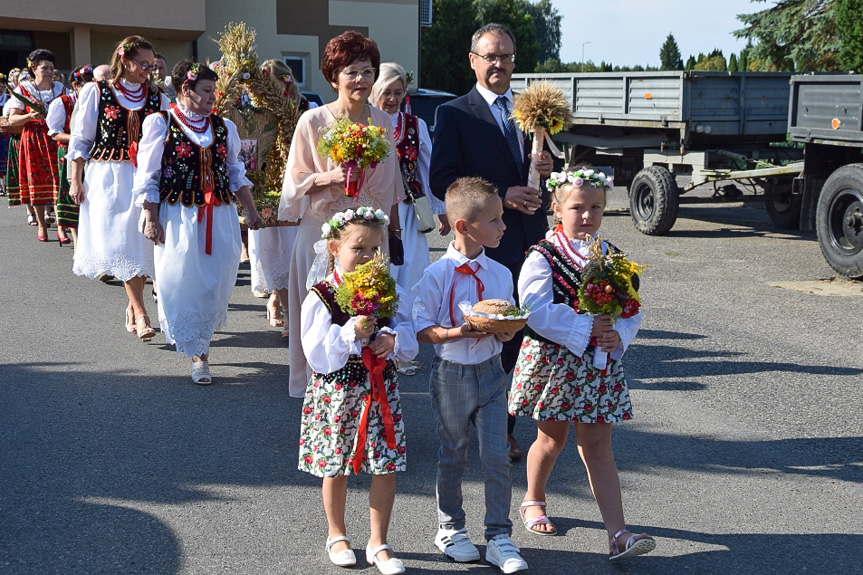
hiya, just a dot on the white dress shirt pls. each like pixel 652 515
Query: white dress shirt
pixel 432 308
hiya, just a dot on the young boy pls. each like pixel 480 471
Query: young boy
pixel 468 383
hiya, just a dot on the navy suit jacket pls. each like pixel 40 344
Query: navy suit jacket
pixel 469 142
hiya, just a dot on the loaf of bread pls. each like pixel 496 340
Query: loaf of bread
pixel 493 306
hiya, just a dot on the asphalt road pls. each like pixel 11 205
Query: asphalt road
pixel 745 456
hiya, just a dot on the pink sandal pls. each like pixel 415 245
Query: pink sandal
pixel 635 545
pixel 529 524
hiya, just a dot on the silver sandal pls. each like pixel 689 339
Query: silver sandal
pixel 201 373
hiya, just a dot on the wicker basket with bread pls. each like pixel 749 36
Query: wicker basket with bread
pixel 496 316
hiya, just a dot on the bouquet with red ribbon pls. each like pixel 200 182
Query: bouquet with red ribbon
pixel 357 146
pixel 607 288
pixel 370 291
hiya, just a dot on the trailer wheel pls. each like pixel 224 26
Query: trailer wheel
pixel 840 220
pixel 783 208
pixel 653 201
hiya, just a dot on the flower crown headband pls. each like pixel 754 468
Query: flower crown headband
pixel 85 70
pixel 342 218
pixel 578 178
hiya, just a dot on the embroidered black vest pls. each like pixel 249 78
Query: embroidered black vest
pixel 188 169
pixel 118 126
pixel 408 150
pixel 327 292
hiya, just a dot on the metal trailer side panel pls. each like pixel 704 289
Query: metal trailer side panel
pixel 827 109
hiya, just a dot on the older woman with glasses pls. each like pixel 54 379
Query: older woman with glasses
pixel 106 130
pixel 314 187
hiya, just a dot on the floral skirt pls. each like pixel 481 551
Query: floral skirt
pixel 13 190
pixel 332 412
pixel 38 165
pixel 550 383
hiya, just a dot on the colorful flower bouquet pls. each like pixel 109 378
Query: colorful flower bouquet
pixel 369 290
pixel 607 288
pixel 354 145
pixel 541 109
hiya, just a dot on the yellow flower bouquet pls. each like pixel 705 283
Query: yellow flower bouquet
pixel 357 146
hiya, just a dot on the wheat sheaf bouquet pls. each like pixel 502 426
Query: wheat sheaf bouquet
pixel 541 110
pixel 357 146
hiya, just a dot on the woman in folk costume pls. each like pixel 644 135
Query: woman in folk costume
pixel 189 174
pixel 37 153
pixel 105 131
pixel 314 186
pixel 59 125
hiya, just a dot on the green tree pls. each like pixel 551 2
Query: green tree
pixel 690 63
pixel 713 62
pixel 669 54
pixel 515 14
pixel 792 35
pixel 550 65
pixel 732 63
pixel 546 21
pixel 850 29
pixel 445 45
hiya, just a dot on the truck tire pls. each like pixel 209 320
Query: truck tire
pixel 783 208
pixel 653 201
pixel 839 220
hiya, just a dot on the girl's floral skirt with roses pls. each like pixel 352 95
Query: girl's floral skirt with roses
pixel 332 411
pixel 550 383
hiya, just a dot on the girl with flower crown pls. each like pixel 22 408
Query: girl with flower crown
pixel 106 129
pixel 352 418
pixel 556 380
pixel 188 181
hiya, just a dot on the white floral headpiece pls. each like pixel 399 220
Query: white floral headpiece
pixel 578 178
pixel 341 218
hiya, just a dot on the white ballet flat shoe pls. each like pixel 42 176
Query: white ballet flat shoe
pixel 343 558
pixel 389 566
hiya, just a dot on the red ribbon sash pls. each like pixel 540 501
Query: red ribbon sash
pixel 210 200
pixel 480 287
pixel 378 393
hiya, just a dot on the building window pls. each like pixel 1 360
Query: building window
pixel 297 64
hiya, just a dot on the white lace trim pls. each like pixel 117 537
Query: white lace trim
pixel 122 268
pixel 190 334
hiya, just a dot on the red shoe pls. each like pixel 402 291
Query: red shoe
pixel 41 238
pixel 64 240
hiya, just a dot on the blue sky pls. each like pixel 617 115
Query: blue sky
pixel 630 32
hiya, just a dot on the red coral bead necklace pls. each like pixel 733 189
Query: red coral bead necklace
pixel 133 95
pixel 198 127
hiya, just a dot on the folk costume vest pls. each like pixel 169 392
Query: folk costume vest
pixel 407 137
pixel 119 128
pixel 190 171
pixel 68 105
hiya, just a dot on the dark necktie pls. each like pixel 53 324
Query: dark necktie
pixel 509 131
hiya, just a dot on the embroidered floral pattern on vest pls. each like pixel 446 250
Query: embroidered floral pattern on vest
pixel 189 170
pixel 118 126
pixel 408 149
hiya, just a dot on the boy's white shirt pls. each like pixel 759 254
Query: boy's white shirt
pixel 559 322
pixel 432 308
pixel 328 346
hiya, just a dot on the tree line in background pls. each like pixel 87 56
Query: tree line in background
pixel 791 35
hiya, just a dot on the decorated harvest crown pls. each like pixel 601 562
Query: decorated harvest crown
pixel 341 218
pixel 578 178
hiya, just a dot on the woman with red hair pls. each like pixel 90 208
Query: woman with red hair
pixel 313 190
pixel 314 186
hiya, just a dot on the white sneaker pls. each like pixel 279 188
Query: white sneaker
pixel 502 552
pixel 456 545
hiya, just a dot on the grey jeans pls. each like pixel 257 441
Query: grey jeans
pixel 461 395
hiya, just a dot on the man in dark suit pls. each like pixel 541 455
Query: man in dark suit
pixel 475 136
